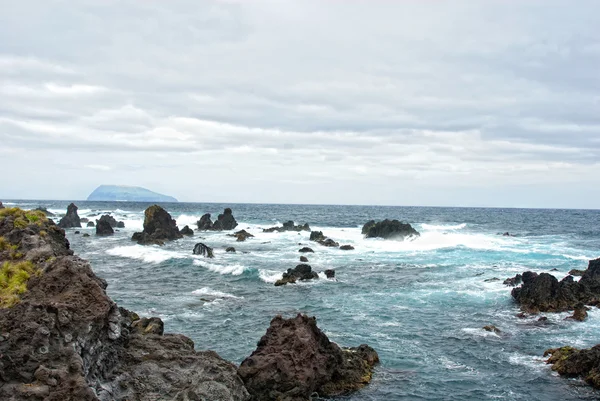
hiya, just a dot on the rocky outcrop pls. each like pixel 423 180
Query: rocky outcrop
pixel 301 272
pixel 111 221
pixel 320 238
pixel 544 293
pixel 287 226
pixel 514 281
pixel 303 259
pixel 329 243
pixel 62 338
pixel 295 360
pixel 492 329
pixel 225 221
pixel 579 314
pixel 241 235
pixel 205 223
pixel 204 250
pixel 329 273
pixel 187 231
pixel 103 228
pixel 71 219
pixel 347 248
pixel 388 229
pixel 159 227
pixel 572 362
pixel 90 224
pixel 306 249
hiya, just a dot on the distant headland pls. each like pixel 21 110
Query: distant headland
pixel 124 193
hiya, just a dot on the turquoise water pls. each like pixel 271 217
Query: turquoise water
pixel 421 304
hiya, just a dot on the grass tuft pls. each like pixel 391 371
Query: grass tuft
pixel 13 281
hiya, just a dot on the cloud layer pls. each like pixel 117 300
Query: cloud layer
pixel 408 103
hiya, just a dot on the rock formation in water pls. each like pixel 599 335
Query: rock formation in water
pixel 347 248
pixel 306 249
pixel 90 224
pixel 204 250
pixel 205 223
pixel 544 293
pixel 572 362
pixel 295 360
pixel 388 229
pixel 187 231
pixel 320 238
pixel 71 219
pixel 241 235
pixel 301 272
pixel 103 228
pixel 225 221
pixel 159 227
pixel 117 193
pixel 63 339
pixel 287 226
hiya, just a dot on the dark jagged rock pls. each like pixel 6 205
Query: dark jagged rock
pixel 579 314
pixel 64 339
pixel 120 224
pixel 514 281
pixel 347 248
pixel 230 249
pixel 329 273
pixel 493 329
pixel 71 219
pixel 329 243
pixel 204 250
pixel 317 236
pixel 241 235
pixel 109 219
pixel 159 227
pixel 544 293
pixel 287 226
pixel 90 224
pixel 388 229
pixel 205 223
pixel 575 272
pixel 303 259
pixel 295 360
pixel 187 231
pixel 225 221
pixel 103 227
pixel 572 362
pixel 305 250
pixel 301 272
pixel 45 211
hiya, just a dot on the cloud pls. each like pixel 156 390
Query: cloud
pixel 320 102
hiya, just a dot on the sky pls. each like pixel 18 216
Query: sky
pixel 423 103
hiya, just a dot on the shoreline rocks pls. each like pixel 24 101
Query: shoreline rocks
pixel 295 360
pixel 572 362
pixel 388 229
pixel 306 249
pixel 159 227
pixel 103 228
pixel 71 219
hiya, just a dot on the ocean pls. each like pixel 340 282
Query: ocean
pixel 421 304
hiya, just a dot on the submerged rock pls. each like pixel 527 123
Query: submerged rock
pixel 388 229
pixel 572 362
pixel 493 329
pixel 514 281
pixel 187 231
pixel 301 272
pixel 329 243
pixel 329 273
pixel 204 250
pixel 159 227
pixel 295 360
pixel 84 220
pixel 347 248
pixel 319 237
pixel 120 224
pixel 71 219
pixel 63 338
pixel 303 259
pixel 287 226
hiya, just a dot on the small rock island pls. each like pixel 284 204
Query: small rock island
pixel 124 193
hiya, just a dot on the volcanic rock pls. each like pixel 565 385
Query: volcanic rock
pixel 305 249
pixel 317 236
pixel 204 250
pixel 572 362
pixel 187 231
pixel 230 249
pixel 71 219
pixel 575 272
pixel 45 211
pixel 205 223
pixel 225 221
pixel 159 227
pixel 287 226
pixel 1 205
pixel 103 227
pixel 109 219
pixel 329 273
pixel 301 272
pixel 329 243
pixel 514 281
pixel 491 328
pixel 84 220
pixel 241 235
pixel 295 360
pixel 388 229
pixel 580 314
pixel 120 224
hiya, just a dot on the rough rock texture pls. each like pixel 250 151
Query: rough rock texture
pixel 241 235
pixel 491 328
pixel 103 228
pixel 329 243
pixel 579 314
pixel 571 362
pixel 205 223
pixel 109 219
pixel 388 229
pixel 300 272
pixel 159 227
pixel 225 221
pixel 306 249
pixel 71 219
pixel 187 231
pixel 514 281
pixel 120 224
pixel 66 340
pixel 287 226
pixel 544 293
pixel 294 360
pixel 204 250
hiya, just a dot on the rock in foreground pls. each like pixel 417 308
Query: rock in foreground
pixel 388 229
pixel 159 227
pixel 71 219
pixel 294 360
pixel 571 362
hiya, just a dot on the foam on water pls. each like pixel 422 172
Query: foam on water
pixel 209 292
pixel 148 254
pixel 233 269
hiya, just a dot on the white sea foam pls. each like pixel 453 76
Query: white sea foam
pixel 209 292
pixel 187 220
pixel 443 227
pixel 269 276
pixel 148 254
pixel 233 269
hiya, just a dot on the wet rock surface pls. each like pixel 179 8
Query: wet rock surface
pixel 301 272
pixel 388 229
pixel 572 362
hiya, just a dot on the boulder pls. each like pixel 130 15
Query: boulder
pixel 241 235
pixel 287 226
pixel 103 228
pixel 347 248
pixel 63 338
pixel 120 224
pixel 514 281
pixel 544 293
pixel 295 360
pixel 90 224
pixel 301 272
pixel 329 243
pixel 71 219
pixel 317 236
pixel 572 362
pixel 159 227
pixel 204 250
pixel 305 250
pixel 388 229
pixel 225 221
pixel 187 231
pixel 303 259
pixel 329 273
pixel 230 249
pixel 205 223
pixel 109 219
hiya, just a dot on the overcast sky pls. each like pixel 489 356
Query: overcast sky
pixel 460 103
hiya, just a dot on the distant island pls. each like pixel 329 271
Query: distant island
pixel 124 193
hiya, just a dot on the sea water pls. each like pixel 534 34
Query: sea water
pixel 420 303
